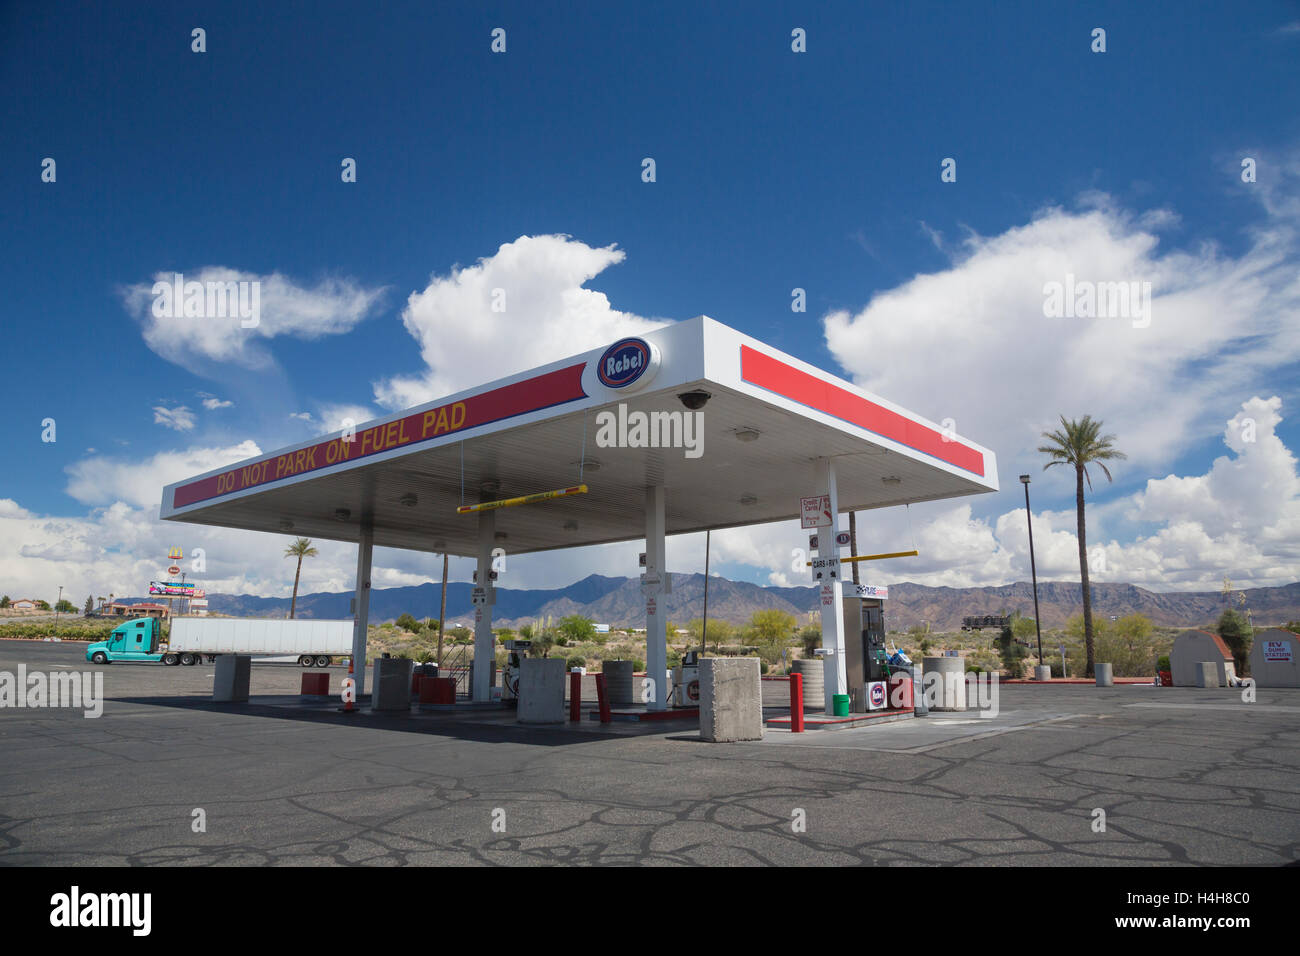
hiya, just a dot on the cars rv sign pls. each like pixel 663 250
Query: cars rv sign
pixel 627 364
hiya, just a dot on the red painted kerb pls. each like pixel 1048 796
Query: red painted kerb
pixel 798 386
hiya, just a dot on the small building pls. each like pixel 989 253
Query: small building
pixel 23 604
pixel 1194 647
pixel 1273 659
pixel 118 609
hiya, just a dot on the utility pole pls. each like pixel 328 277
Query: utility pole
pixel 1038 626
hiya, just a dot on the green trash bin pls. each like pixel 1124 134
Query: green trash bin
pixel 840 705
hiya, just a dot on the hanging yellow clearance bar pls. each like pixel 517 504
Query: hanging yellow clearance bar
pixel 875 557
pixel 522 500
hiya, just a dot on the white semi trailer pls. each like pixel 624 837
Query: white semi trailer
pixel 313 643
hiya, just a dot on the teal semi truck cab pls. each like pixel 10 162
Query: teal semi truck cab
pixel 139 639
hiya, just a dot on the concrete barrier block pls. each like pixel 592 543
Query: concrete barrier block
pixel 391 684
pixel 1207 674
pixel 541 691
pixel 731 699
pixel 619 683
pixel 1105 674
pixel 945 683
pixel 1042 672
pixel 230 682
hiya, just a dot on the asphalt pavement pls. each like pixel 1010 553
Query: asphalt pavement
pixel 1178 776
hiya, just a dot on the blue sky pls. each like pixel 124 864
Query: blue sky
pixel 775 170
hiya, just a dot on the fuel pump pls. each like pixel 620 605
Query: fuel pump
pixel 866 662
pixel 510 673
pixel 686 681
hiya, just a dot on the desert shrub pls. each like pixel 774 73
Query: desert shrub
pixel 575 661
pixel 65 632
pixel 1237 634
pixel 575 628
pixel 1012 654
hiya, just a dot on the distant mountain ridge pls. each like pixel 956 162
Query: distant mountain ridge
pixel 618 601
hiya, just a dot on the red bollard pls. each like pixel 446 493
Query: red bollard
pixel 575 696
pixel 796 703
pixel 603 699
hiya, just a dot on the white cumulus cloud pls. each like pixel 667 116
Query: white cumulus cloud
pixel 179 419
pixel 522 307
pixel 1003 370
pixel 102 480
pixel 284 308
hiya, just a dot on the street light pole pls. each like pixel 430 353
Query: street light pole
pixel 1033 570
pixel 56 609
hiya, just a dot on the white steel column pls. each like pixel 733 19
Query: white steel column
pixel 485 652
pixel 832 595
pixel 655 586
pixel 361 617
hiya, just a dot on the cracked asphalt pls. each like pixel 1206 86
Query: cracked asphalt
pixel 1184 777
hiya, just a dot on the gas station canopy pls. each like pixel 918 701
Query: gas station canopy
pixel 767 421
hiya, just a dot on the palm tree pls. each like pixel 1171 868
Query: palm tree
pixel 1078 443
pixel 301 548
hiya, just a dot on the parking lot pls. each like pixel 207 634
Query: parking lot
pixel 1182 776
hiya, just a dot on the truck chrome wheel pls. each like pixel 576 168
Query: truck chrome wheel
pixel 188 660
pixel 306 660
pixel 99 657
pixel 322 661
pixel 171 660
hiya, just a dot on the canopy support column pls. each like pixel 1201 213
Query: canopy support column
pixel 655 585
pixel 361 603
pixel 832 593
pixel 485 652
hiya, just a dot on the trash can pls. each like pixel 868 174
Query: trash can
pixel 840 705
pixel 900 690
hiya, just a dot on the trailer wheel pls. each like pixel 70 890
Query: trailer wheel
pixel 171 660
pixel 99 657
pixel 322 661
pixel 306 660
pixel 189 660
